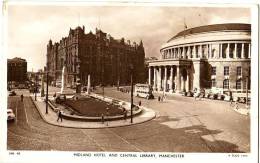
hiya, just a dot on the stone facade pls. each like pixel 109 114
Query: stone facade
pixel 212 57
pixel 16 70
pixel 106 59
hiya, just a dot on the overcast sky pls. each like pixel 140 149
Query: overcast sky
pixel 30 27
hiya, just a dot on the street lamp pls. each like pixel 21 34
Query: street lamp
pixel 35 87
pixel 131 71
pixel 247 90
pixel 47 90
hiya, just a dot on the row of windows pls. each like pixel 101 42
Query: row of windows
pixel 226 84
pixel 226 71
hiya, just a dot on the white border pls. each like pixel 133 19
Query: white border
pixel 49 156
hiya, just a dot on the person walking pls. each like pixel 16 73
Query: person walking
pixel 22 97
pixel 59 116
pixel 140 103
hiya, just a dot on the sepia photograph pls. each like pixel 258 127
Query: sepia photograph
pixel 130 80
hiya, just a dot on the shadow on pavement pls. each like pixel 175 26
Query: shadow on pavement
pixel 155 136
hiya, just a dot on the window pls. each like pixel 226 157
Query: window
pixel 226 70
pixel 213 83
pixel 239 84
pixel 226 84
pixel 239 71
pixel 213 71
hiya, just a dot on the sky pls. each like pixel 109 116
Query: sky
pixel 30 27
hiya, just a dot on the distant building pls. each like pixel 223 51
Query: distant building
pixel 106 59
pixel 206 57
pixel 16 70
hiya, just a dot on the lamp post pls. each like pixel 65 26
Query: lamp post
pixel 246 90
pixel 131 71
pixel 47 91
pixel 35 87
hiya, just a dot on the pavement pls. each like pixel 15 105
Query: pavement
pixel 51 118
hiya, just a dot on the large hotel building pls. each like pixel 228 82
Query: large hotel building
pixel 98 54
pixel 206 57
pixel 17 70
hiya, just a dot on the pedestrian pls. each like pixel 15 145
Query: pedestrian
pixel 59 116
pixel 140 103
pixel 107 114
pixel 159 98
pixel 125 115
pixel 22 97
pixel 231 98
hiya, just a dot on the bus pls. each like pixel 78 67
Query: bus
pixel 143 90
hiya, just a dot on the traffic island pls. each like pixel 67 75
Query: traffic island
pixel 140 115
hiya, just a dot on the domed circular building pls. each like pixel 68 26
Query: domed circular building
pixel 210 57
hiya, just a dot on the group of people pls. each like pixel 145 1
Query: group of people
pixel 162 98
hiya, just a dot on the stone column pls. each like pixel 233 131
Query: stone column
pixel 188 52
pixel 149 75
pixel 227 51
pixel 165 78
pixel 235 51
pixel 178 78
pixel 249 50
pixel 196 75
pixel 171 79
pixel 184 53
pixel 200 51
pixel 159 85
pixel 154 78
pixel 182 83
pixel 179 52
pixel 210 51
pixel 220 52
pixel 193 52
pixel 242 51
pixel 188 81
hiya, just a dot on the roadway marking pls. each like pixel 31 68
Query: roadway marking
pixel 16 113
pixel 24 106
pixel 124 140
pixel 103 149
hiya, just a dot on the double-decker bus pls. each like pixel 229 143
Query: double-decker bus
pixel 144 90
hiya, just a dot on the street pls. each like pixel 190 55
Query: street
pixel 182 125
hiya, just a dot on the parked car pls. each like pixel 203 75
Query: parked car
pixel 199 93
pixel 60 98
pixel 12 93
pixel 10 115
pixel 21 86
pixel 190 94
pixel 58 84
pixel 213 96
pixel 221 97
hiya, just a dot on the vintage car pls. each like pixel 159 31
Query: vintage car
pixel 10 115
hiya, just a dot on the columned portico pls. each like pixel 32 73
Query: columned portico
pixel 186 62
